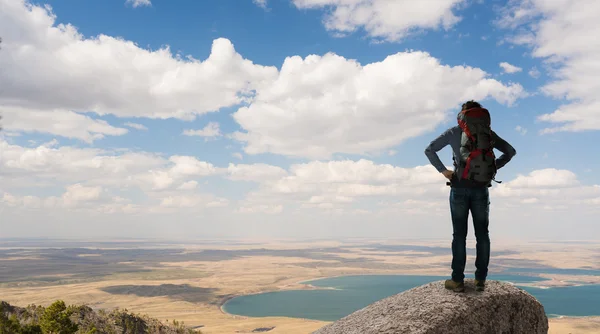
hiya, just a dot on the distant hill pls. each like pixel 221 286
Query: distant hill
pixel 81 319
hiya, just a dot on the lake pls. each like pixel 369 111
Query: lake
pixel 344 295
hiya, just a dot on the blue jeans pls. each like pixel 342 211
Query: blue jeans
pixel 476 200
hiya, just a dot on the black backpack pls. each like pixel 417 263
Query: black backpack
pixel 477 161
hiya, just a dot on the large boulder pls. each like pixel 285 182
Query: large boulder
pixel 431 309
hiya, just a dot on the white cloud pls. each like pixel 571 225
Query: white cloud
pixel 51 67
pixel 181 168
pixel 138 3
pixel 75 196
pixel 337 184
pixel 190 166
pixel 89 174
pixel 237 155
pixel 136 126
pixel 521 130
pixel 313 193
pixel 47 166
pixel 508 68
pixel 57 122
pixel 257 172
pixel 384 19
pixel 547 190
pixel 545 178
pixel 321 105
pixel 189 185
pixel 211 130
pixel 78 193
pixel 516 13
pixel 346 186
pixel 361 171
pixel 49 163
pixel 563 34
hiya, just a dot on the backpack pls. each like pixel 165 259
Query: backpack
pixel 477 161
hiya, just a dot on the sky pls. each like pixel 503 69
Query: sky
pixel 291 118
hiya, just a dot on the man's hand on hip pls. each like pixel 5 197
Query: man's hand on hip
pixel 448 174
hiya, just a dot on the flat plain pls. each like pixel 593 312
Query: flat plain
pixel 190 281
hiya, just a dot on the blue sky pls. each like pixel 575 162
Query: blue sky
pixel 292 138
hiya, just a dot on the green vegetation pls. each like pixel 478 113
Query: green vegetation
pixel 56 319
pixel 59 318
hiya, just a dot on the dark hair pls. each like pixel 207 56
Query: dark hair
pixel 470 104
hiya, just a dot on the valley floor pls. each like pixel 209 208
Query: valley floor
pixel 190 282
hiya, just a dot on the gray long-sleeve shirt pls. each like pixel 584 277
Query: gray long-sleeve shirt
pixel 452 137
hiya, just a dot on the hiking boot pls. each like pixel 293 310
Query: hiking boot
pixel 479 285
pixel 454 286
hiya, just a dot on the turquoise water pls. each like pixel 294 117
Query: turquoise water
pixel 571 301
pixel 351 293
pixel 559 271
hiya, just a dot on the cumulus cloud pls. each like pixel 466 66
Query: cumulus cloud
pixel 315 190
pixel 383 19
pixel 508 68
pixel 321 105
pixel 256 172
pixel 75 196
pixel 545 178
pixel 337 184
pixel 211 130
pixel 563 34
pixel 50 67
pixel 180 168
pixel 549 190
pixel 332 99
pixel 346 186
pixel 87 174
pixel 57 122
pixel 79 193
pixel 52 163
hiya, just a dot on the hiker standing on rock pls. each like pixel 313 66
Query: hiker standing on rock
pixel 475 167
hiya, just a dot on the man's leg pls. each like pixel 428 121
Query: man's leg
pixel 459 209
pixel 480 209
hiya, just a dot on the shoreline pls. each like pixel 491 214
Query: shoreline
pixel 223 301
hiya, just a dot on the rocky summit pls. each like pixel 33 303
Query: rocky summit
pixel 431 309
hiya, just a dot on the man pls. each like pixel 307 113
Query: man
pixel 467 195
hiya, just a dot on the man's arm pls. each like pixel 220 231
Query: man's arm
pixel 508 152
pixel 436 145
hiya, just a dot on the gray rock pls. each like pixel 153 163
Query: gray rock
pixel 431 309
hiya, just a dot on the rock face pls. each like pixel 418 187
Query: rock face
pixel 431 309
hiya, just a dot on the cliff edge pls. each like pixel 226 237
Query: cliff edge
pixel 430 309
